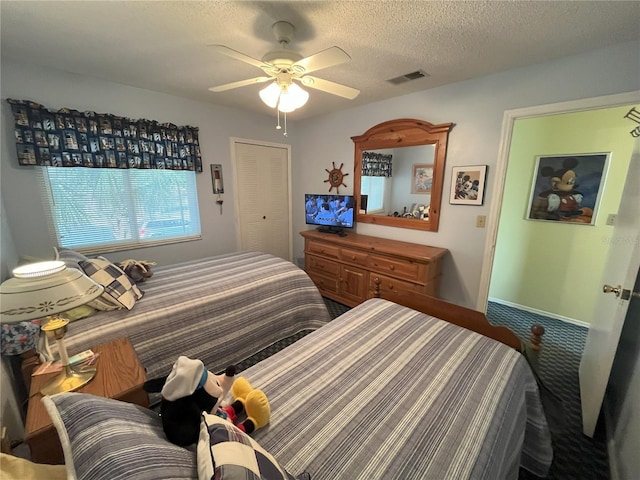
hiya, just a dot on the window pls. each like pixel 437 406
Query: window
pixel 374 187
pixel 98 207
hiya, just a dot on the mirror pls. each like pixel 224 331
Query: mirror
pixel 399 172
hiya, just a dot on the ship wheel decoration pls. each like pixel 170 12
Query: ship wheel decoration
pixel 335 177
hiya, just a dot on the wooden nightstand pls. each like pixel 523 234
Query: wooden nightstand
pixel 120 376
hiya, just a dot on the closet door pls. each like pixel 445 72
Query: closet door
pixel 263 198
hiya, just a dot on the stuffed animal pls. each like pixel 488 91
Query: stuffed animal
pixel 138 270
pixel 191 389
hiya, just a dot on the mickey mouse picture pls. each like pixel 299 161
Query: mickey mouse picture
pixel 566 188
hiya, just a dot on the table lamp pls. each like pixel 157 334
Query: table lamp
pixel 49 289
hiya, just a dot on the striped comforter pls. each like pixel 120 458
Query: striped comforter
pixel 384 392
pixel 220 310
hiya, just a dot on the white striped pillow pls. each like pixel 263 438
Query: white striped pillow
pixel 105 439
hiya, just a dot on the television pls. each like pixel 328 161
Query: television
pixel 330 213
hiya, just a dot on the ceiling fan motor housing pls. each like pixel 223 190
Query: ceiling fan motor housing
pixel 281 58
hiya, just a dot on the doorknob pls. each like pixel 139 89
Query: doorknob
pixel 626 294
pixel 609 289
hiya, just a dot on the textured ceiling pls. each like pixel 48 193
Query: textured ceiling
pixel 163 46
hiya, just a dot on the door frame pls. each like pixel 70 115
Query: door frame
pixel 509 119
pixel 236 202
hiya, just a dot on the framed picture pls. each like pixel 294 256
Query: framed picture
pixel 422 178
pixel 216 178
pixel 567 188
pixel 467 185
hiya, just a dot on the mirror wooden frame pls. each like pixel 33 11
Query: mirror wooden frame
pixel 404 132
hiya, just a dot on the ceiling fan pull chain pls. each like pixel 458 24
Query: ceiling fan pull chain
pixel 278 127
pixel 285 124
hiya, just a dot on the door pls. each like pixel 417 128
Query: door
pixel 263 198
pixel 621 269
pixel 353 284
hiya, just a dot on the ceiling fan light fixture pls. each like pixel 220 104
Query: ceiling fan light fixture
pixel 270 95
pixel 285 98
pixel 292 97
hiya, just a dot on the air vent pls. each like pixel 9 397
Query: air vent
pixel 407 77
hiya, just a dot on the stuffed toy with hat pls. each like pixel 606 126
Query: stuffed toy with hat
pixel 191 389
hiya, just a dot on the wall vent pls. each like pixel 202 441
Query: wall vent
pixel 408 77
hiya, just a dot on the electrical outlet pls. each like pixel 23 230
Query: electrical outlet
pixel 611 219
pixel 481 220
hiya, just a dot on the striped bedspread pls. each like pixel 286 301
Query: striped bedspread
pixel 220 310
pixel 384 392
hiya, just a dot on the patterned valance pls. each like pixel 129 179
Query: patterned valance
pixel 376 164
pixel 69 138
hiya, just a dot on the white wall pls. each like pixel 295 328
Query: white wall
pixel 55 89
pixel 476 108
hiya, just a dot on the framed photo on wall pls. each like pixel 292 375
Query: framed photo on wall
pixel 422 178
pixel 567 188
pixel 467 185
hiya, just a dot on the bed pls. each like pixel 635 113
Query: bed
pixel 381 392
pixel 219 309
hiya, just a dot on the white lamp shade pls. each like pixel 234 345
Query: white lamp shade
pixel 287 99
pixel 291 98
pixel 270 95
pixel 44 288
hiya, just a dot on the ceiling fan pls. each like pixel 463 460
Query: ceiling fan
pixel 284 66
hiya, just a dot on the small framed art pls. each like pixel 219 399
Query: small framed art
pixel 467 185
pixel 216 178
pixel 422 178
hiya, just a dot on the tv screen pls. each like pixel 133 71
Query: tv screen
pixel 329 212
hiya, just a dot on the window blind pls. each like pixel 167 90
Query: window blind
pixel 120 208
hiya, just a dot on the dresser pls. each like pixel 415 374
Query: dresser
pixel 349 269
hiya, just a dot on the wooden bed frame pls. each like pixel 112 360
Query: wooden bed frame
pixel 465 317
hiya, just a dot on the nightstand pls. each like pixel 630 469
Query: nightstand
pixel 120 376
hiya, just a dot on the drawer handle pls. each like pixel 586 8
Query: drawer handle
pixel 391 286
pixel 353 257
pixel 392 267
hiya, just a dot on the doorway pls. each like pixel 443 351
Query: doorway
pixel 500 188
pixel 263 196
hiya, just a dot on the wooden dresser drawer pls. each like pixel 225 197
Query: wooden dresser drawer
pixel 321 265
pixel 354 257
pixel 392 288
pixel 394 266
pixel 325 282
pixel 322 249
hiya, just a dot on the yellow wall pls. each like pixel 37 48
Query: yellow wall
pixel 557 267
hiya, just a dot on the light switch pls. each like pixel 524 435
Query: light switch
pixel 611 219
pixel 480 221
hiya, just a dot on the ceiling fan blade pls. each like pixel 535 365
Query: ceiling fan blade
pixel 241 83
pixel 326 58
pixel 330 87
pixel 230 52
